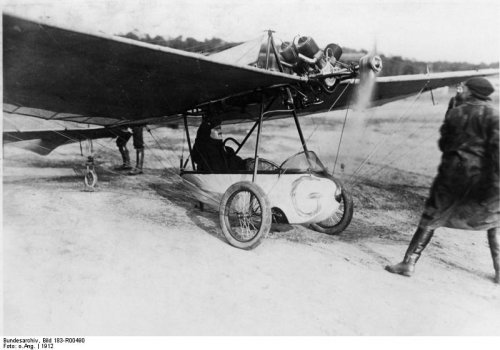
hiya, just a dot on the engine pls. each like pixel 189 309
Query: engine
pixel 304 57
pixel 322 67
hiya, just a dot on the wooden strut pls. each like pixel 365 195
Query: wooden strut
pixel 270 44
pixel 256 158
pixel 290 101
pixel 186 127
pixel 247 136
pixel 291 107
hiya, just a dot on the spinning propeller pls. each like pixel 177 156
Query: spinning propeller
pixel 369 66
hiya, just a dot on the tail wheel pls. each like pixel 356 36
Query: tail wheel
pixel 90 178
pixel 245 215
pixel 339 221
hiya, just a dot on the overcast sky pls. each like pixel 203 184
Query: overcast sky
pixel 454 30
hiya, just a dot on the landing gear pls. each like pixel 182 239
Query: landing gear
pixel 245 215
pixel 339 221
pixel 90 176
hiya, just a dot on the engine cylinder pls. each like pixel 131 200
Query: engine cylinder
pixel 289 52
pixel 333 50
pixel 307 46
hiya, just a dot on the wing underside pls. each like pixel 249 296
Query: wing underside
pixel 45 141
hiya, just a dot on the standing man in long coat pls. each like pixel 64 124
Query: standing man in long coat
pixel 465 193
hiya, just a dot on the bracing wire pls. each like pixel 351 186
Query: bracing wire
pixel 377 146
pixel 341 136
pixel 389 154
pixel 384 167
pixel 329 110
pixel 109 148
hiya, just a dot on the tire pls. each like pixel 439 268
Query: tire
pixel 242 225
pixel 90 178
pixel 339 221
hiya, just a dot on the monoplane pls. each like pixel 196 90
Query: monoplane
pixel 63 74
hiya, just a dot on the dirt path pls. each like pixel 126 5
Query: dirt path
pixel 135 258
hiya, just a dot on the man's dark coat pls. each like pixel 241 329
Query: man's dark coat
pixel 465 193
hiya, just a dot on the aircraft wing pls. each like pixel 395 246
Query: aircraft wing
pixel 43 136
pixel 401 86
pixel 45 141
pixel 397 87
pixel 387 89
pixel 65 74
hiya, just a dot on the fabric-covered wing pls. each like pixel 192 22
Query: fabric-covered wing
pixel 45 141
pixel 397 87
pixel 104 80
pixel 393 88
pixel 387 89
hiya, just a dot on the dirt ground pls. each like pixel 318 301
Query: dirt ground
pixel 135 257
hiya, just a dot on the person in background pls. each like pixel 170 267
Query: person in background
pixel 458 99
pixel 137 136
pixel 123 136
pixel 465 193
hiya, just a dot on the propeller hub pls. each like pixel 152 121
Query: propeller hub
pixel 372 62
pixel 376 63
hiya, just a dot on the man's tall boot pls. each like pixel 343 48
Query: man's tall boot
pixel 139 162
pixel 418 243
pixel 493 240
pixel 125 158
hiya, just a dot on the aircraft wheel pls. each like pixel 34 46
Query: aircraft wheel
pixel 245 215
pixel 90 178
pixel 339 221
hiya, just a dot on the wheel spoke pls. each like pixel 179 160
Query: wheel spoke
pixel 244 227
pixel 254 222
pixel 335 218
pixel 245 215
pixel 256 209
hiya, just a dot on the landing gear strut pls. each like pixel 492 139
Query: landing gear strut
pixel 90 176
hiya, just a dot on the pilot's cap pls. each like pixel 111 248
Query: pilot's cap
pixel 480 87
pixel 214 122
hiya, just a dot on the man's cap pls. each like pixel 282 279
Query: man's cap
pixel 480 87
pixel 214 122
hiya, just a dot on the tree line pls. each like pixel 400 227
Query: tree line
pixel 397 65
pixel 393 65
pixel 208 46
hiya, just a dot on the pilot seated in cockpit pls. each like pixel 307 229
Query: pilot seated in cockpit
pixel 209 152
